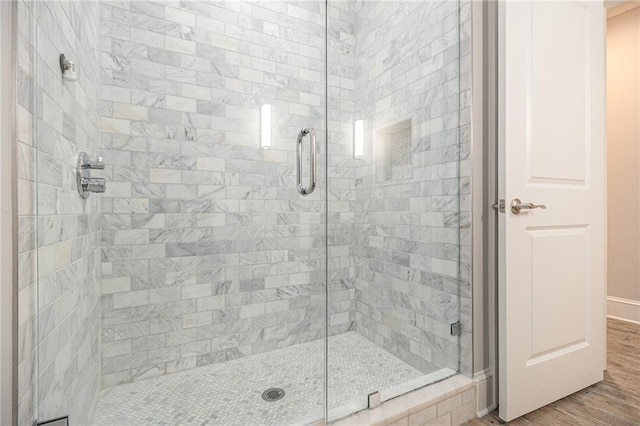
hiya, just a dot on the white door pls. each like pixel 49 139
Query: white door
pixel 552 324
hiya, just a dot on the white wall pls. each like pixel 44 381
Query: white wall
pixel 623 110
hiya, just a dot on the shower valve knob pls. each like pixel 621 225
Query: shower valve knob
pixel 87 184
pixel 97 164
pixel 94 184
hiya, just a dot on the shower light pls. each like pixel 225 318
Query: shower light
pixel 68 69
pixel 265 127
pixel 358 139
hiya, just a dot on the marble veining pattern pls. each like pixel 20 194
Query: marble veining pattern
pixel 59 296
pixel 411 199
pixel 230 393
pixel 208 251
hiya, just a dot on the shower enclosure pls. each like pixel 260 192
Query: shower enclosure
pixel 284 236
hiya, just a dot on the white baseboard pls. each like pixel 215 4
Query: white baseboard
pixel 485 398
pixel 623 309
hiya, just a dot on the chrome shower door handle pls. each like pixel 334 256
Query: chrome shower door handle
pixel 312 160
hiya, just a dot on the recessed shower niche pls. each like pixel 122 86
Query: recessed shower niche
pixel 393 153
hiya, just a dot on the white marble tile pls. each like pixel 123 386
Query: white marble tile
pixel 229 393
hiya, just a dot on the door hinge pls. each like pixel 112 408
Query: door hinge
pixel 374 399
pixel 455 328
pixel 499 206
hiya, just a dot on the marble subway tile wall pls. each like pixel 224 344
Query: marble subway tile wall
pixel 464 173
pixel 341 165
pixel 27 215
pixel 209 253
pixel 410 202
pixel 59 233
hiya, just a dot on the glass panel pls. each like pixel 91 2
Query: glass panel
pixel 68 228
pixel 394 216
pixel 199 279
pixel 196 282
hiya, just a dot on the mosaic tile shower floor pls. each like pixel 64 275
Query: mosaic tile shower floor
pixel 230 393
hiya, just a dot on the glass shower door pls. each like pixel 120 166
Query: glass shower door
pixel 209 283
pixel 394 198
pixel 193 289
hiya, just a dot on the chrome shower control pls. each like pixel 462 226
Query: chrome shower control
pixel 86 183
pixel 97 164
pixel 94 184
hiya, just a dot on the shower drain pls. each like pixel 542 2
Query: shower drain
pixel 273 394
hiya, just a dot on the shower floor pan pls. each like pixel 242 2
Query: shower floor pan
pixel 230 393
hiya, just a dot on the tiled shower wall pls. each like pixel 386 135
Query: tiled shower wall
pixel 59 233
pixel 193 274
pixel 410 203
pixel 209 253
pixel 341 164
pixel 465 176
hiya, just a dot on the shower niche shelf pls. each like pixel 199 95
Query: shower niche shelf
pixel 393 153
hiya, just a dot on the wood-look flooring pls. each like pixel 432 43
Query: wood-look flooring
pixel 613 402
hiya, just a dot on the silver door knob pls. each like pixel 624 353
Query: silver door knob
pixel 517 206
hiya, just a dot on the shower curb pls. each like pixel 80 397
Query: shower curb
pixel 449 402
